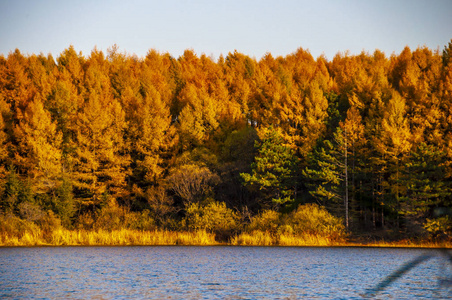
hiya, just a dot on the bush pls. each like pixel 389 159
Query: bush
pixel 85 221
pixel 139 220
pixel 214 217
pixel 440 227
pixel 114 217
pixel 109 217
pixel 162 205
pixel 30 211
pixel 266 221
pixel 308 219
pixel 49 223
pixel 315 220
pixel 13 226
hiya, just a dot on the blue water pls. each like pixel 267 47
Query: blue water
pixel 217 273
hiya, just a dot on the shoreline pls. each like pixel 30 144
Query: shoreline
pixel 125 237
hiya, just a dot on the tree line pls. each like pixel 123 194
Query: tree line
pixel 367 136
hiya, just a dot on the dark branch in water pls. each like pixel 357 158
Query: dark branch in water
pixel 404 269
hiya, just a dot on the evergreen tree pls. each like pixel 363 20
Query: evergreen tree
pixel 427 183
pixel 63 203
pixel 274 170
pixel 11 191
pixel 327 173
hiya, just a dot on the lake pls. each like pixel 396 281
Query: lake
pixel 219 272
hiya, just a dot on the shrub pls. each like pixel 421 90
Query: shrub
pixel 439 227
pixel 13 226
pixel 266 221
pixel 139 220
pixel 85 221
pixel 109 217
pixel 315 220
pixel 214 217
pixel 30 211
pixel 49 223
pixel 114 217
pixel 162 205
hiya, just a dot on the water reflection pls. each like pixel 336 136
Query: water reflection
pixel 214 273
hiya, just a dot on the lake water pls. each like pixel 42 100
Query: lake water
pixel 217 273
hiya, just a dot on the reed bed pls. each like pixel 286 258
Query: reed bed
pixel 256 238
pixel 126 237
pixel 122 237
pixel 305 240
pixel 404 244
pixel 265 238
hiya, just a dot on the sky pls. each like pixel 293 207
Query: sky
pixel 211 27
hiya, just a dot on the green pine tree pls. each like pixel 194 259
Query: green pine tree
pixel 427 184
pixel 274 170
pixel 63 203
pixel 11 193
pixel 327 173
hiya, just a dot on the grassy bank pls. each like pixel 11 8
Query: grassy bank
pixel 127 237
pixel 213 224
pixel 261 238
pixel 403 244
pixel 123 237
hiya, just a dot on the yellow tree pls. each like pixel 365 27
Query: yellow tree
pixel 100 160
pixel 199 117
pixel 64 103
pixel 72 63
pixel 351 146
pixel 355 129
pixel 150 134
pixel 42 71
pixel 229 113
pixel 416 76
pixel 38 151
pixel 4 138
pixel 315 113
pixel 196 111
pixel 17 87
pixel 302 66
pixel 267 93
pixel 302 109
pixel 157 72
pixel 395 131
pixel 239 72
pixel 393 144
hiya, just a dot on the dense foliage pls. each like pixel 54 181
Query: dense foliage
pixel 193 143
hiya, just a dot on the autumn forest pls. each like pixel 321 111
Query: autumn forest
pixel 360 145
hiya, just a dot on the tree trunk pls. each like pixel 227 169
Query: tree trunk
pixel 346 182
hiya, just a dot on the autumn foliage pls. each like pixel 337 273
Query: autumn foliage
pixel 159 142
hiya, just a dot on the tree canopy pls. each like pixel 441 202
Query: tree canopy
pixel 158 133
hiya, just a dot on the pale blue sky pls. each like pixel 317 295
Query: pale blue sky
pixel 218 27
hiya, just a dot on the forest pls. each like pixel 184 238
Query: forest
pixel 359 145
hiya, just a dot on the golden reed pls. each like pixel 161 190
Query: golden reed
pixel 126 237
pixel 265 238
pixel 122 237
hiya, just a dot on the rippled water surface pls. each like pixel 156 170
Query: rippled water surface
pixel 216 273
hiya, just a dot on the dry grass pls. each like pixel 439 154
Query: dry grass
pixel 256 238
pixel 122 237
pixel 305 240
pixel 403 244
pixel 264 238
